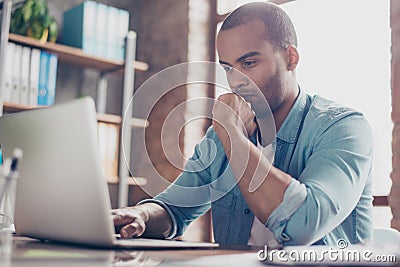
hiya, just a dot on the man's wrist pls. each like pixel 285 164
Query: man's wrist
pixel 229 136
pixel 156 220
pixel 144 211
pixel 229 130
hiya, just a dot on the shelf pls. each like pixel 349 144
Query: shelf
pixel 131 180
pixel 135 122
pixel 12 107
pixel 107 118
pixel 76 56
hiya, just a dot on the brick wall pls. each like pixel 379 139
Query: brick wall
pixel 162 28
pixel 394 197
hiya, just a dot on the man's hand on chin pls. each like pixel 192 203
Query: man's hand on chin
pixel 232 114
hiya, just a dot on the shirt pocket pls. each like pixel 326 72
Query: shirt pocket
pixel 222 209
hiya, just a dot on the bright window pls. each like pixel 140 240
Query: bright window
pixel 345 56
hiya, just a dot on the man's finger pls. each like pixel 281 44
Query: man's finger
pixel 118 218
pixel 121 218
pixel 133 229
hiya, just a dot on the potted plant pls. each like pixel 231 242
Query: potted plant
pixel 31 18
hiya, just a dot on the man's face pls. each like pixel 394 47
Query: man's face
pixel 243 49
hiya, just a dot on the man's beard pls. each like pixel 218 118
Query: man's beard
pixel 270 96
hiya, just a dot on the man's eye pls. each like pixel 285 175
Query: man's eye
pixel 227 68
pixel 249 63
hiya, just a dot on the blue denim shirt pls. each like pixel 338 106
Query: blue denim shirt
pixel 325 147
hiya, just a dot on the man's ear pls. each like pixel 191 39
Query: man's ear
pixel 292 57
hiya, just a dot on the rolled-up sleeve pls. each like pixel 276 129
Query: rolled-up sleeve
pixel 294 197
pixel 331 184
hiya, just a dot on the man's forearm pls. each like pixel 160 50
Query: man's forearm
pixel 247 162
pixel 157 220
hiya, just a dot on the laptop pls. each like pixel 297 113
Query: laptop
pixel 62 194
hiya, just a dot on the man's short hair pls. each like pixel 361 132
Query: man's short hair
pixel 279 29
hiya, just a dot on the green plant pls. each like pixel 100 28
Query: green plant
pixel 33 19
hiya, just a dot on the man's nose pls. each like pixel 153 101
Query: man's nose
pixel 237 81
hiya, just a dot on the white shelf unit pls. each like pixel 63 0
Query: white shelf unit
pixel 77 57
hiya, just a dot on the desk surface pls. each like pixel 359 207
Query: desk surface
pixel 30 252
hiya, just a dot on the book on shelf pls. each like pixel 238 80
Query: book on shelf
pixel 43 77
pixel 112 34
pixel 8 74
pixel 123 28
pixel 79 27
pixel 97 29
pixel 101 27
pixel 24 75
pixel 51 79
pixel 108 141
pixel 47 78
pixel 16 75
pixel 102 142
pixel 34 76
pixel 113 142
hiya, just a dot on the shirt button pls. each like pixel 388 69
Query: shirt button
pixel 246 211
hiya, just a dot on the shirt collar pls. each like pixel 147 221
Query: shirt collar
pixel 292 123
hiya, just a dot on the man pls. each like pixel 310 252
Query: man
pixel 319 187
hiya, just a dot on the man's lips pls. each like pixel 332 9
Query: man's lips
pixel 246 92
pixel 247 96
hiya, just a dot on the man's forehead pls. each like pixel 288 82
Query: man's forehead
pixel 256 27
pixel 241 39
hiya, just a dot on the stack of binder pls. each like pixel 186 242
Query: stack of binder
pixel 30 76
pixel 97 29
